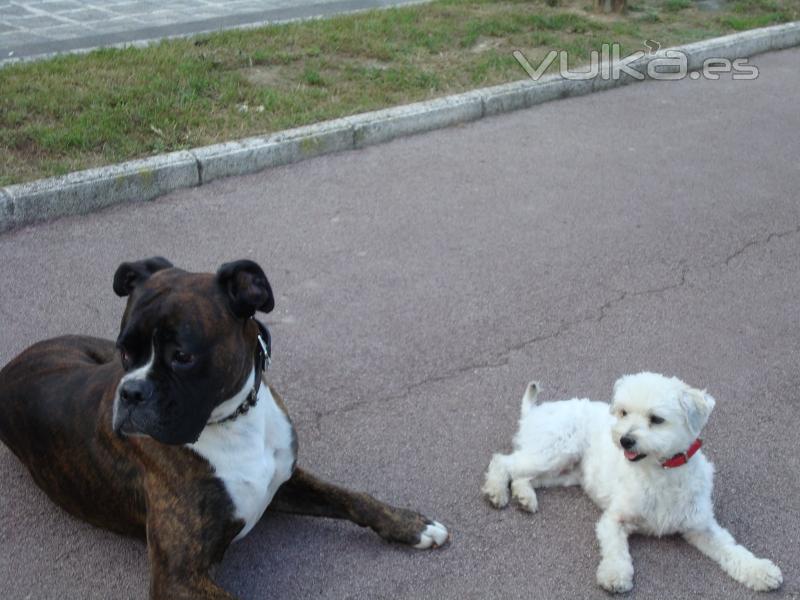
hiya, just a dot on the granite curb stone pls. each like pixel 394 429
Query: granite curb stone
pixel 85 191
pixel 254 154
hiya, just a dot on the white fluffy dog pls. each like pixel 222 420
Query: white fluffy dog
pixel 639 462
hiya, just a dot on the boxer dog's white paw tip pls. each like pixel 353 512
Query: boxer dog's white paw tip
pixel 434 535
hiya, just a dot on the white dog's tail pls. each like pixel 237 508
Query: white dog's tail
pixel 529 399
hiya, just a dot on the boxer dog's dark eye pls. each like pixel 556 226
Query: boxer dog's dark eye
pixel 126 359
pixel 182 358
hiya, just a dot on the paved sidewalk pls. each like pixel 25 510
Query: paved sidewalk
pixel 33 28
pixel 420 285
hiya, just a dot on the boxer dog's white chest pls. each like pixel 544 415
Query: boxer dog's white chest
pixel 252 454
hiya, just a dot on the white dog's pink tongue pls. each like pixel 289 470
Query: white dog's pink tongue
pixel 630 454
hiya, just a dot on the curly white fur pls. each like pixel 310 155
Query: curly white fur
pixel 577 442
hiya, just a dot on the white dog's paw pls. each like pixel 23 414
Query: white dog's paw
pixel 496 495
pixel 433 536
pixel 523 493
pixel 615 576
pixel 496 486
pixel 761 575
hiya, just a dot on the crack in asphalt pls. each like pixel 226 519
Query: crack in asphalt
pixel 756 242
pixel 499 360
pixel 503 358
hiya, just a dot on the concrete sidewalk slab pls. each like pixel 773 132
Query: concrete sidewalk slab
pixel 32 29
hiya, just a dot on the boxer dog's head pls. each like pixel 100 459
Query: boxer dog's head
pixel 187 344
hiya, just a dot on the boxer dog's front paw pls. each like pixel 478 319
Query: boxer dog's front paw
pixel 434 535
pixel 410 528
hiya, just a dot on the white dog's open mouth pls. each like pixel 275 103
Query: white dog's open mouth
pixel 633 456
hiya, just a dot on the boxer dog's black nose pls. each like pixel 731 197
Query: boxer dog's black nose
pixel 135 391
pixel 627 442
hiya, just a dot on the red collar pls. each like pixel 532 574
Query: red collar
pixel 683 457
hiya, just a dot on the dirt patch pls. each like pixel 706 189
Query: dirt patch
pixel 265 75
pixel 487 43
pixel 287 76
pixel 369 63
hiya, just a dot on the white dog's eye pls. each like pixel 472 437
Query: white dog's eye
pixel 623 413
pixel 655 420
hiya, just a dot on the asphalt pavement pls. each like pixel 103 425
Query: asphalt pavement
pixel 420 284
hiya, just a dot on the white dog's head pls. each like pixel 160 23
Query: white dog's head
pixel 657 416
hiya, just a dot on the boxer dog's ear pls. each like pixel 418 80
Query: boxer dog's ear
pixel 131 274
pixel 246 287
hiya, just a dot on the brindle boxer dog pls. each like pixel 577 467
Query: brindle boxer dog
pixel 169 433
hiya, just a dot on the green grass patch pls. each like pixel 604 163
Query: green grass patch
pixel 75 112
pixel 741 22
pixel 677 5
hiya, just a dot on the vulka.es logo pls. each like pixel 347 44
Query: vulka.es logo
pixel 665 65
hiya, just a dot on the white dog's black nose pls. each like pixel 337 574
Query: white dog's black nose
pixel 627 442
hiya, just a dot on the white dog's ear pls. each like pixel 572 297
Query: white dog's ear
pixel 617 384
pixel 697 406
